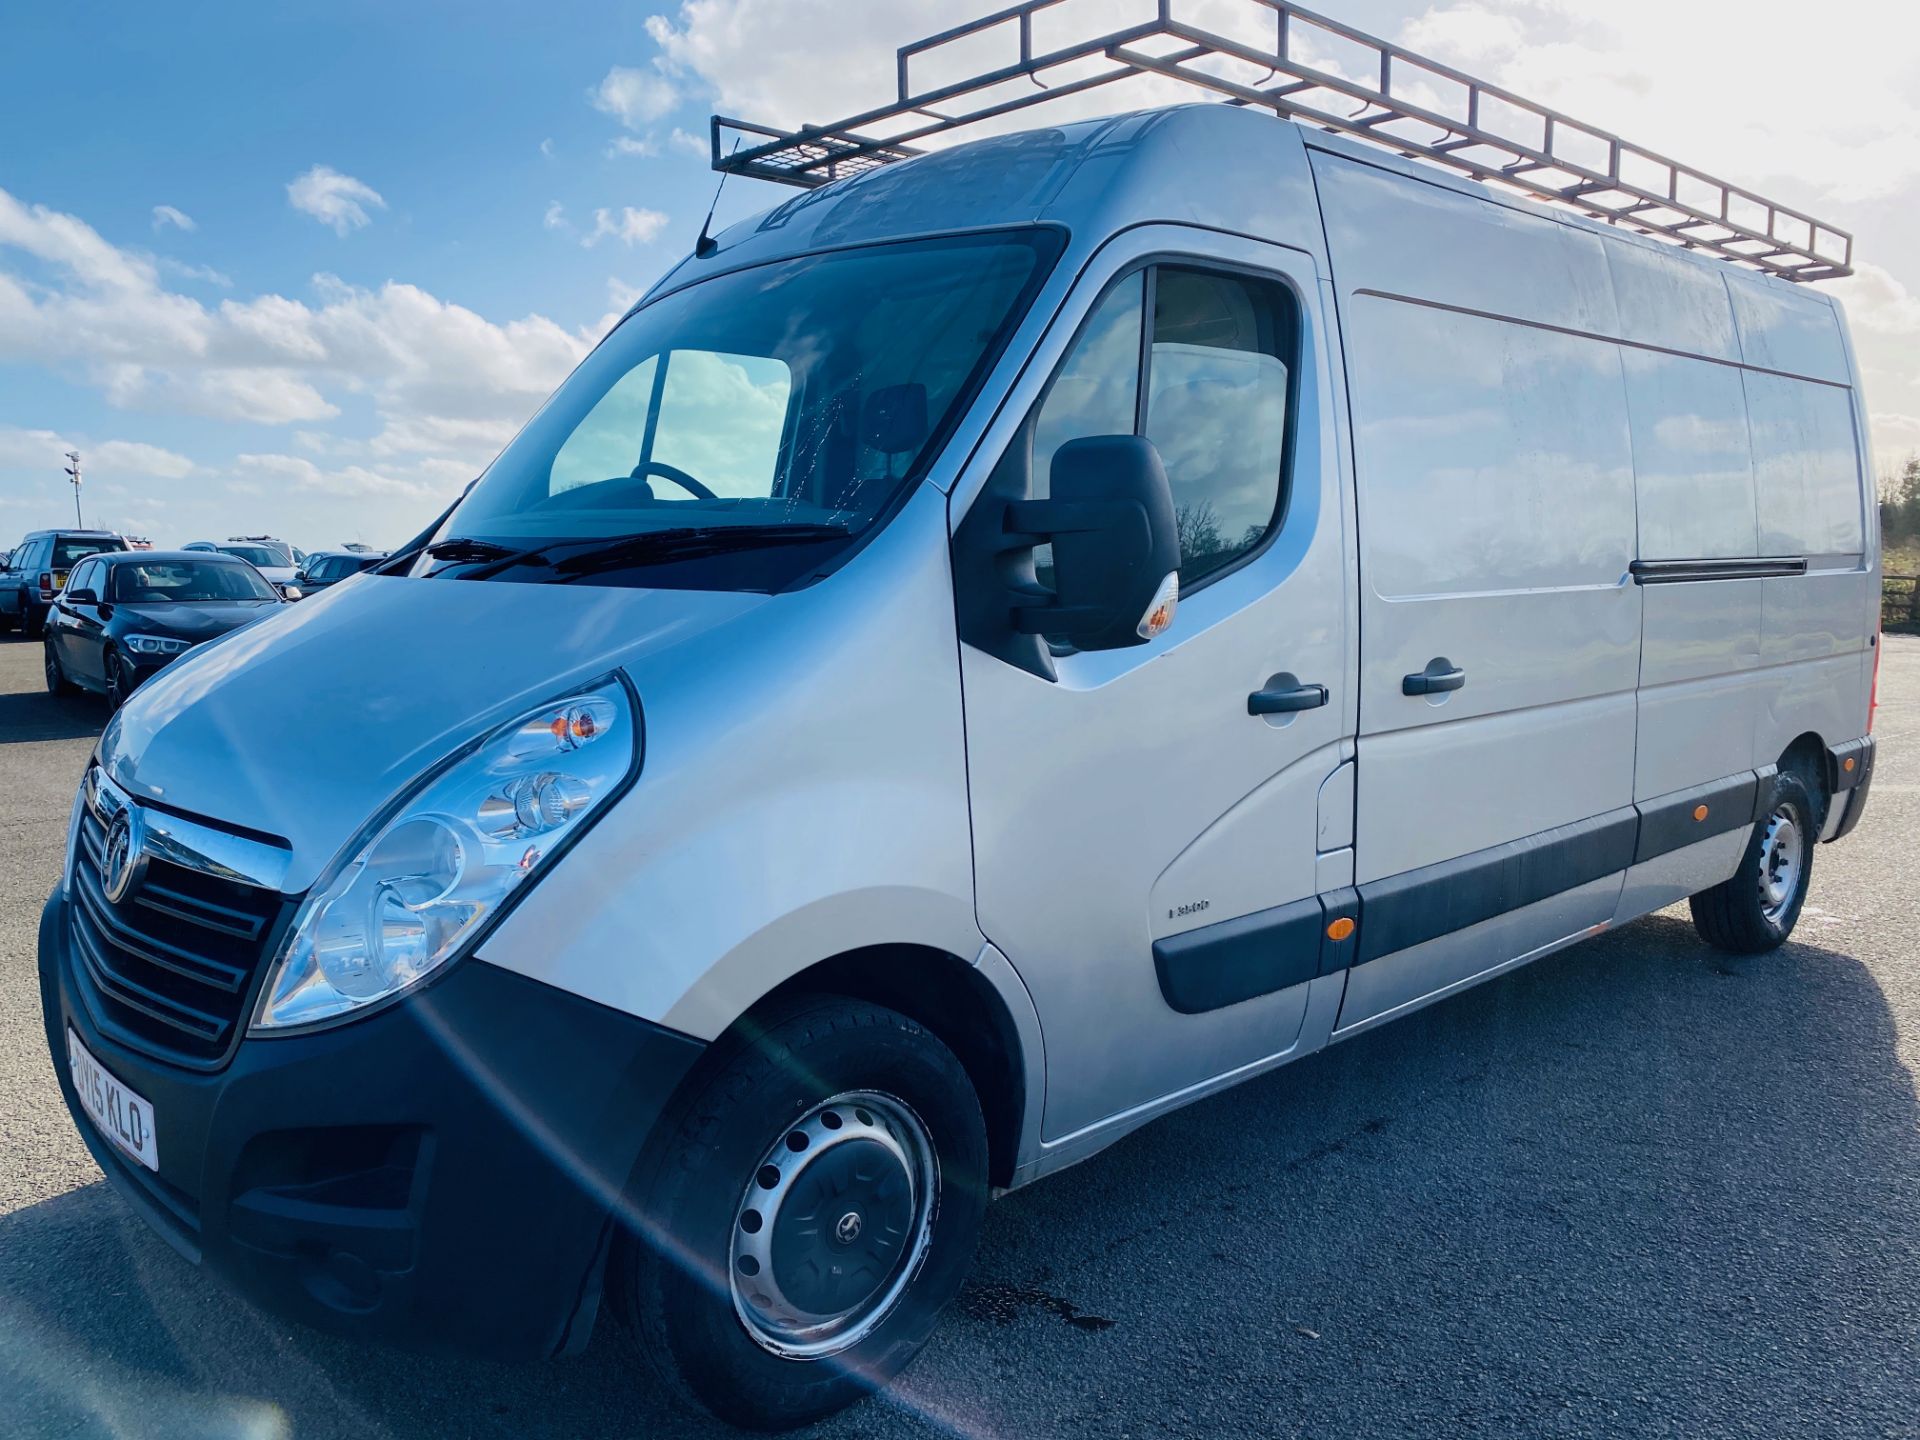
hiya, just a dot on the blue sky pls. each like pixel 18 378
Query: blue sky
pixel 303 267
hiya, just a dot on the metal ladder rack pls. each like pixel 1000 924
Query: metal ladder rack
pixel 1380 92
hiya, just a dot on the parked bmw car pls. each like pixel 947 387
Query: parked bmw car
pixel 272 560
pixel 127 614
pixel 324 568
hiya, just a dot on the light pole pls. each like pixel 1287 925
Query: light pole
pixel 73 474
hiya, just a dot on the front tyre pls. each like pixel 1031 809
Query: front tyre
pixel 121 679
pixel 810 1212
pixel 1756 910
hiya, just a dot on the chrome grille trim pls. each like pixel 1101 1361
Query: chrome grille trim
pixel 169 968
pixel 193 846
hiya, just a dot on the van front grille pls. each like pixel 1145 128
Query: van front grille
pixel 171 967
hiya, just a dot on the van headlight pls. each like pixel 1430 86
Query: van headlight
pixel 432 873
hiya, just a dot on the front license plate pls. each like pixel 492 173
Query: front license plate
pixel 123 1117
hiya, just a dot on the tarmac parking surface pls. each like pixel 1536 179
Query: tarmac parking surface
pixel 1636 1188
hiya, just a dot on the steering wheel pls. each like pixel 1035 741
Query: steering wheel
pixel 623 488
pixel 674 473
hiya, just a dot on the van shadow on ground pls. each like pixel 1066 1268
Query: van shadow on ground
pixel 1635 1188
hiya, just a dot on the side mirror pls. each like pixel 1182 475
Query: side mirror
pixel 1116 547
pixel 82 597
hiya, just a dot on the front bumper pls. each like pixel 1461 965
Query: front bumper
pixel 441 1174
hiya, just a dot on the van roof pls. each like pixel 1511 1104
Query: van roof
pixel 1268 56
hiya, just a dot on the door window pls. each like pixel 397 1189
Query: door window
pixel 1216 381
pixel 1217 410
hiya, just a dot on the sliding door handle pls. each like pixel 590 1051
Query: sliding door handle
pixel 1440 676
pixel 1285 700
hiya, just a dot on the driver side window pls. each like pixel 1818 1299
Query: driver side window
pixel 1217 365
pixel 717 417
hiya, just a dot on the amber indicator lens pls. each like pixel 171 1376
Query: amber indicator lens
pixel 1699 812
pixel 1340 929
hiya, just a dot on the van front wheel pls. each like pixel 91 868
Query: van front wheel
pixel 1756 910
pixel 810 1213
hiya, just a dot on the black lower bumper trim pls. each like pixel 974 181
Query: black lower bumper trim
pixel 441 1174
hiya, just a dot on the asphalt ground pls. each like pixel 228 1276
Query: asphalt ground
pixel 1636 1188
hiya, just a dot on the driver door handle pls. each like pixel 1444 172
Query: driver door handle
pixel 1287 700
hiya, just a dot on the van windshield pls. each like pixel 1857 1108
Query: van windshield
pixel 736 434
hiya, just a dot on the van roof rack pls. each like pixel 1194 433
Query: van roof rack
pixel 1380 92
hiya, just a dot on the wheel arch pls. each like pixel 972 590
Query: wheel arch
pixel 1806 756
pixel 964 1008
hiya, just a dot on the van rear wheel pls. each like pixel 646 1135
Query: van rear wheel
pixel 1756 910
pixel 811 1210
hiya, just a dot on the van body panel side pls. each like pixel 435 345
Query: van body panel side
pixel 1408 979
pixel 1496 524
pixel 1672 877
pixel 1788 328
pixel 1497 520
pixel 1404 237
pixel 1806 463
pixel 1692 462
pixel 1670 301
pixel 803 794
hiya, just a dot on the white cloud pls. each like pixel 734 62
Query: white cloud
pixel 262 395
pixel 1895 437
pixel 196 272
pixel 1816 109
pixel 259 473
pixel 629 226
pixel 1877 301
pixel 687 143
pixel 442 382
pixel 634 97
pixel 165 215
pixel 44 452
pixel 334 199
pixel 556 217
pixel 627 145
pixel 546 147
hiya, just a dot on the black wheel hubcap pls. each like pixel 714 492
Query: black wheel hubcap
pixel 843 1228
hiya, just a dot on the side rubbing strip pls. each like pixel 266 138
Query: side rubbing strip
pixel 1435 900
pixel 1668 822
pixel 1235 960
pixel 1678 572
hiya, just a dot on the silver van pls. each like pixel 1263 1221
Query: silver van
pixel 990 651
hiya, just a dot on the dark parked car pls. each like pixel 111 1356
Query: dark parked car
pixel 124 616
pixel 326 568
pixel 38 567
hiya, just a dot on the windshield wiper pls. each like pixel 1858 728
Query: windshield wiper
pixel 463 548
pixel 651 547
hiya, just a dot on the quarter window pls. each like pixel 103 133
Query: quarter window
pixel 1215 381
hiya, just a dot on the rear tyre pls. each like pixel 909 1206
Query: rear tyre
pixel 57 681
pixel 811 1208
pixel 1756 910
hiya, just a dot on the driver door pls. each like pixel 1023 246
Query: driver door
pixel 1148 852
